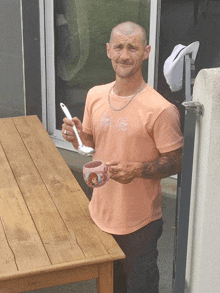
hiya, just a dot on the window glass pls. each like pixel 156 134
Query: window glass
pixel 82 29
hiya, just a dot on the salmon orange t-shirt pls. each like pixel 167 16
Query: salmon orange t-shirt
pixel 147 126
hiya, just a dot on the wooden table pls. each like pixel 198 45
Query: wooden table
pixel 47 237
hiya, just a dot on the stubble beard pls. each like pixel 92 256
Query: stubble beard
pixel 126 74
pixel 123 73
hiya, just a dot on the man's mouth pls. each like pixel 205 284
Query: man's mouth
pixel 124 64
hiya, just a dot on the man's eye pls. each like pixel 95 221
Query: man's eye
pixel 118 47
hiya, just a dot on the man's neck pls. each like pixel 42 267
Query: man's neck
pixel 127 86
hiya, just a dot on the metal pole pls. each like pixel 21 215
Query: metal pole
pixel 188 95
pixel 192 110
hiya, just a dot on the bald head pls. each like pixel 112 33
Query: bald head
pixel 128 28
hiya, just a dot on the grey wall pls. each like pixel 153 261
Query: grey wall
pixel 11 60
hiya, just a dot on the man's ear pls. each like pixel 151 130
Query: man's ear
pixel 147 50
pixel 108 50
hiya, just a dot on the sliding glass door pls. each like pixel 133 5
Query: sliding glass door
pixel 76 35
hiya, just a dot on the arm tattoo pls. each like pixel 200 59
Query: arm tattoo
pixel 166 165
pixel 89 139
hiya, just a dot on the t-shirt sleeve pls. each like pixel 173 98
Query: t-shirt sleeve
pixel 87 120
pixel 166 130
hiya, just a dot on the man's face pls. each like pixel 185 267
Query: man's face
pixel 127 53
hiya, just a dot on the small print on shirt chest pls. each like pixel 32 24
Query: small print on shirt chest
pixel 119 124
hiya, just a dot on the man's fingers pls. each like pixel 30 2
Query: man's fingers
pixel 66 129
pixel 76 120
pixel 112 166
pixel 68 121
pixel 68 125
pixel 114 169
pixel 112 163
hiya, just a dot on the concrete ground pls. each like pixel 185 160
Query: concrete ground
pixel 165 244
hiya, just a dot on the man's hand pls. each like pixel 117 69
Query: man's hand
pixel 69 134
pixel 123 172
pixel 166 165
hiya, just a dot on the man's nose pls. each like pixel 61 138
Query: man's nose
pixel 125 54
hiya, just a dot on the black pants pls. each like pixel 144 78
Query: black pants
pixel 138 272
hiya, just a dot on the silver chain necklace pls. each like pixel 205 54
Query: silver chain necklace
pixel 130 98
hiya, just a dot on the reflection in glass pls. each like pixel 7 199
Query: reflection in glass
pixel 82 29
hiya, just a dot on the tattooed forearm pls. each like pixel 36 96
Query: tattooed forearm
pixel 166 165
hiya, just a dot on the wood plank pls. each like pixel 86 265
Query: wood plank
pixel 108 241
pixel 7 260
pixel 61 184
pixel 110 244
pixel 61 246
pixel 20 230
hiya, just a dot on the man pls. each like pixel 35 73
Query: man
pixel 137 132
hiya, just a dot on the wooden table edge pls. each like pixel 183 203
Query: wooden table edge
pixel 99 268
pixel 62 266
